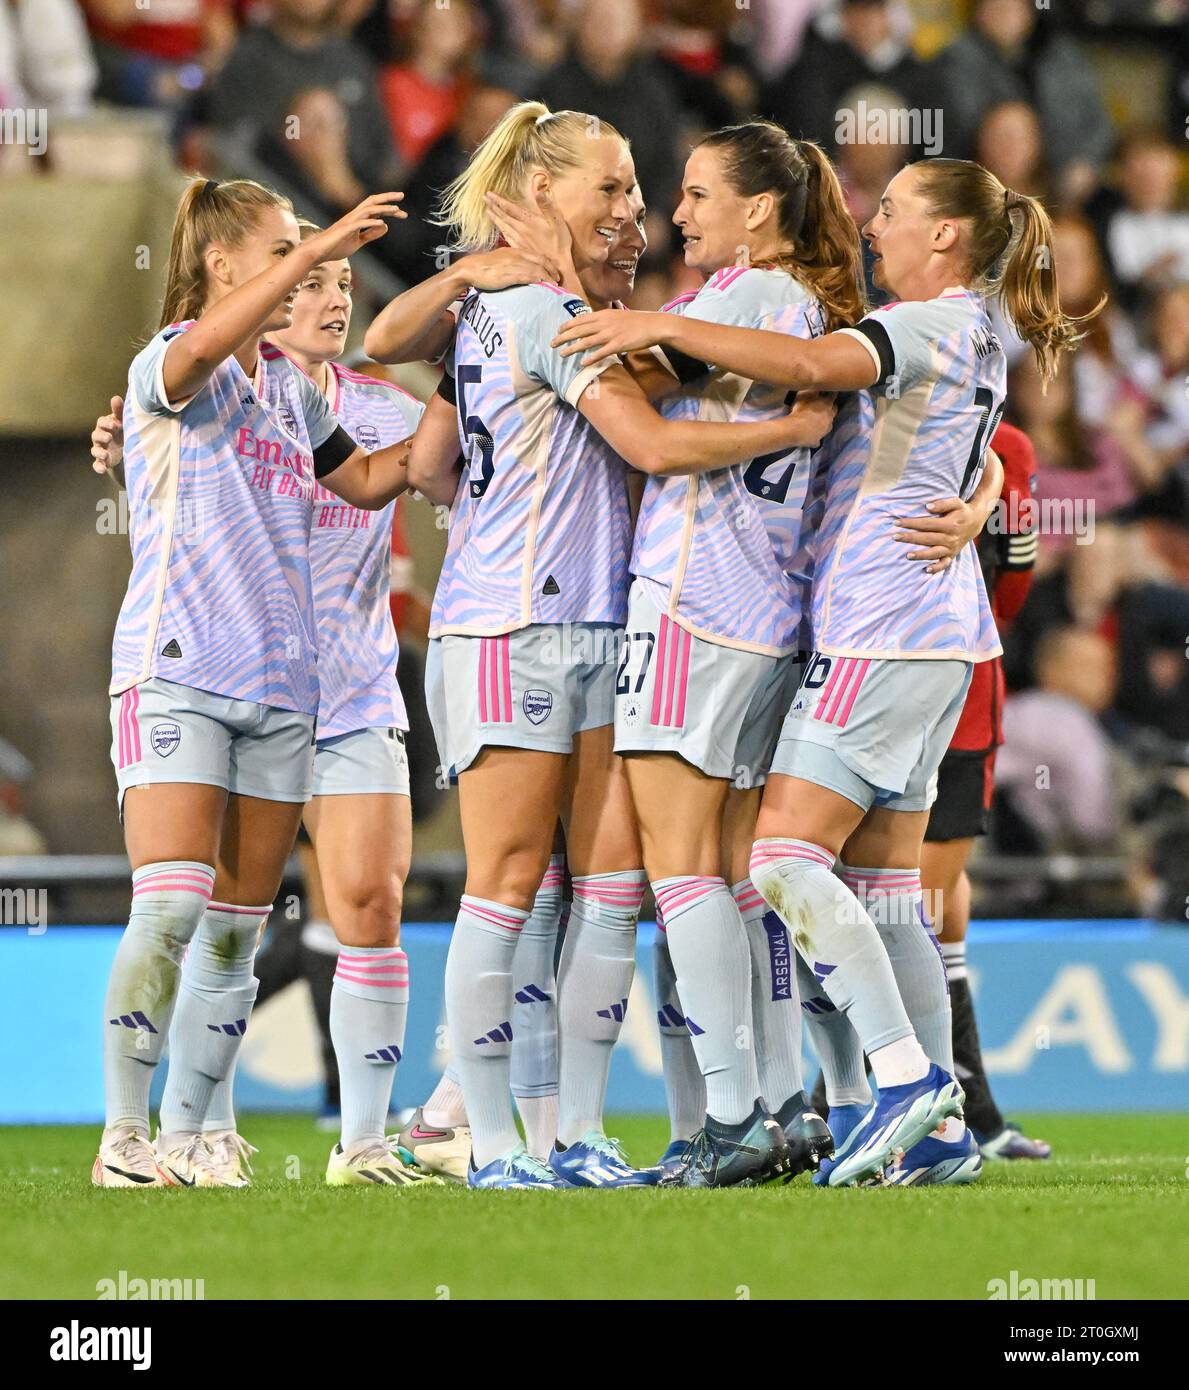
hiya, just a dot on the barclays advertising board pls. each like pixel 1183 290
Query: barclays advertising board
pixel 1075 1016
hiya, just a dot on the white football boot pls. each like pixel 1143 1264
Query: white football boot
pixel 127 1159
pixel 378 1162
pixel 443 1149
pixel 191 1164
pixel 231 1157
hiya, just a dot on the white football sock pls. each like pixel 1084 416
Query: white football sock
pixel 775 1003
pixel 712 964
pixel 168 900
pixel 842 948
pixel 594 983
pixel 214 1005
pixel 368 1007
pixel 479 1014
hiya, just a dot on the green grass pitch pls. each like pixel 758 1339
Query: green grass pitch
pixel 1111 1206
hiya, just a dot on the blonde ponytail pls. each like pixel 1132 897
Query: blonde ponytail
pixel 526 137
pixel 208 212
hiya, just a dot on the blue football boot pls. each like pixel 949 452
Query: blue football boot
pixel 899 1118
pixel 519 1169
pixel 931 1162
pixel 806 1133
pixel 743 1155
pixel 843 1121
pixel 598 1161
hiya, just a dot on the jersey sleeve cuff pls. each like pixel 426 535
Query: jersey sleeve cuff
pixel 874 337
pixel 173 407
pixel 586 376
pixel 335 450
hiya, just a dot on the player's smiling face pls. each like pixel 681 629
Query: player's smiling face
pixel 273 237
pixel 901 235
pixel 615 278
pixel 321 313
pixel 594 198
pixel 711 215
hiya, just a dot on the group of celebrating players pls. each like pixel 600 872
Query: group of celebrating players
pixel 706 623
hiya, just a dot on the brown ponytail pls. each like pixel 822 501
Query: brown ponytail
pixel 1009 243
pixel 208 212
pixel 761 157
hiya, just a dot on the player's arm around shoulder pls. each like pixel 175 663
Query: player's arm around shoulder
pixel 617 407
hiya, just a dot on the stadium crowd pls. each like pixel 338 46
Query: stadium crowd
pixel 336 98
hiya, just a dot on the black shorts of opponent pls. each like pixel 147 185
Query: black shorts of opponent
pixel 965 782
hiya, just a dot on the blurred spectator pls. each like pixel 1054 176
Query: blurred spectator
pixel 516 42
pixel 17 834
pixel 779 29
pixel 1011 144
pixel 1011 52
pixel 159 54
pixel 710 71
pixel 1084 471
pixel 808 99
pixel 300 49
pixel 1102 362
pixel 609 75
pixel 424 94
pixel 1055 768
pixel 416 241
pixel 318 165
pixel 1163 375
pixel 1154 691
pixel 1148 237
pixel 866 167
pixel 45 56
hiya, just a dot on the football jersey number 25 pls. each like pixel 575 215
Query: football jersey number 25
pixel 478 437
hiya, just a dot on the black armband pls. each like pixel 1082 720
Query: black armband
pixel 447 389
pixel 333 451
pixel 684 367
pixel 877 335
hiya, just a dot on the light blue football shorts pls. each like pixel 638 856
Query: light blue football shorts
pixel 165 732
pixel 717 707
pixel 361 762
pixel 533 688
pixel 873 730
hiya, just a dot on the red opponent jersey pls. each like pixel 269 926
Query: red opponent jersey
pixel 1007 553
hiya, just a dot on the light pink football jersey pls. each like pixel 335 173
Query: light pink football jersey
pixel 220 492
pixel 937 402
pixel 350 566
pixel 718 552
pixel 540 530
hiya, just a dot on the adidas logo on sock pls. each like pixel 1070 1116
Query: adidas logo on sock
pixel 391 1053
pixel 818 1006
pixel 669 1017
pixel 532 994
pixel 501 1034
pixel 171 648
pixel 614 1011
pixel 550 586
pixel 233 1030
pixel 133 1020
pixel 820 971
